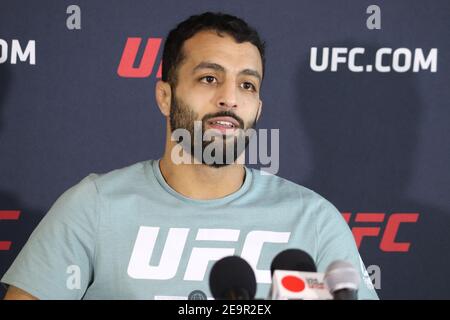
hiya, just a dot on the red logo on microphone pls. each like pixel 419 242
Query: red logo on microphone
pixel 293 283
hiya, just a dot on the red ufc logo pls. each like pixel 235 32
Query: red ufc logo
pixel 8 215
pixel 388 243
pixel 127 68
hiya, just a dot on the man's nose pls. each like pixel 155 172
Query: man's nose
pixel 227 96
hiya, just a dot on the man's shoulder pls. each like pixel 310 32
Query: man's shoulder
pixel 285 188
pixel 127 177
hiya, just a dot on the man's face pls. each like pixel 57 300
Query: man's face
pixel 218 84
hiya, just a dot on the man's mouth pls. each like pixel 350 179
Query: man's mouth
pixel 223 124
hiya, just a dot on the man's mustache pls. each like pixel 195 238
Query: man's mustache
pixel 224 114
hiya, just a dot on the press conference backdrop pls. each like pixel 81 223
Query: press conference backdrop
pixel 359 91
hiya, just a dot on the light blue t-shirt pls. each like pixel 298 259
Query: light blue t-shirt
pixel 127 234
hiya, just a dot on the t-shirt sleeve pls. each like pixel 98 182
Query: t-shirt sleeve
pixel 57 260
pixel 335 241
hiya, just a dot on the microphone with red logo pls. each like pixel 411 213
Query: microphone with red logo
pixel 232 278
pixel 343 280
pixel 295 277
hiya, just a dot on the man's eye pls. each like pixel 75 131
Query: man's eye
pixel 208 79
pixel 248 86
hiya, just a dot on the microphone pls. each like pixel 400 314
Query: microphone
pixel 343 280
pixel 197 295
pixel 232 278
pixel 294 260
pixel 295 276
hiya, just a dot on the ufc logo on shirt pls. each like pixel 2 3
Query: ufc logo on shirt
pixel 139 267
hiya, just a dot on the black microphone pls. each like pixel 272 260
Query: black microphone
pixel 232 278
pixel 293 260
pixel 343 280
pixel 295 277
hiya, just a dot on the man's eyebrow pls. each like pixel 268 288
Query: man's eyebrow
pixel 218 67
pixel 251 72
pixel 208 65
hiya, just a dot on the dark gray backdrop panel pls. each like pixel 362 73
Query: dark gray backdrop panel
pixel 369 142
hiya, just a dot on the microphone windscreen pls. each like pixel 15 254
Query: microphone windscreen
pixel 342 275
pixel 232 274
pixel 293 260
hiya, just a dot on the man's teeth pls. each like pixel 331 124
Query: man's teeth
pixel 224 123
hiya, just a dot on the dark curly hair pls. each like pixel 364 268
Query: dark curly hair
pixel 219 22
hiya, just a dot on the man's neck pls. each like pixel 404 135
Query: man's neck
pixel 202 182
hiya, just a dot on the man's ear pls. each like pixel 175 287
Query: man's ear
pixel 259 110
pixel 163 93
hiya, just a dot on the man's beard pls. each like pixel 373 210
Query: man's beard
pixel 183 117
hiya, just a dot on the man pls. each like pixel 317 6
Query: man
pixel 152 230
